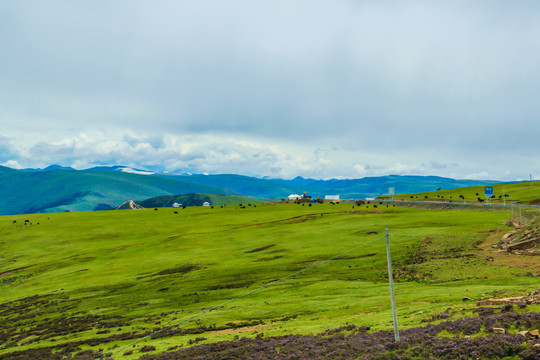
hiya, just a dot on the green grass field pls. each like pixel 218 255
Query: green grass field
pixel 120 275
pixel 516 193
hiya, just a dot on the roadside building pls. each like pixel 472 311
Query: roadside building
pixel 331 197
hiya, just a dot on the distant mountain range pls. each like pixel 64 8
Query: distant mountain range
pixel 57 188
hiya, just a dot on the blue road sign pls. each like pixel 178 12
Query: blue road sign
pixel 488 191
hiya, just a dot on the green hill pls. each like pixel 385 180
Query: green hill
pixel 57 189
pixel 516 193
pixel 197 199
pixel 74 283
pixel 70 190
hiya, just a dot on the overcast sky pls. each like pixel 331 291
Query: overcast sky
pixel 322 89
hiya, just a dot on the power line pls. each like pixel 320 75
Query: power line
pixel 237 298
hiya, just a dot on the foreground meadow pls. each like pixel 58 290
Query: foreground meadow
pixel 118 282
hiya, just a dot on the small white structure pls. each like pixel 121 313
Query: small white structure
pixel 331 197
pixel 206 203
pixel 176 205
pixel 294 197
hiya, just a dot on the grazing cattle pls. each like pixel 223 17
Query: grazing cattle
pixel 308 205
pixel 14 221
pixel 476 194
pixel 176 212
pixel 374 206
pixel 462 197
pixel 256 205
pixel 480 200
pixel 183 207
pixel 155 209
pixel 425 196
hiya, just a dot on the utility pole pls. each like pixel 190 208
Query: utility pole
pixel 504 197
pixel 391 281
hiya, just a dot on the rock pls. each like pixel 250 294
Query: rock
pixel 522 245
pixel 534 333
pixel 523 333
pixel 498 331
pixel 507 235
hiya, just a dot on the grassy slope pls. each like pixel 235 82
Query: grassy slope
pixel 520 192
pixel 140 265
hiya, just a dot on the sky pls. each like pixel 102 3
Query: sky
pixel 311 88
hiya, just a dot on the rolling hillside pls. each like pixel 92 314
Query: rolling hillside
pixel 510 193
pixel 71 190
pixel 57 189
pixel 197 199
pixel 134 283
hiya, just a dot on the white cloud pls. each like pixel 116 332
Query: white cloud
pixel 14 164
pixel 312 88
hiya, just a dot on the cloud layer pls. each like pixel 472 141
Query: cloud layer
pixel 312 88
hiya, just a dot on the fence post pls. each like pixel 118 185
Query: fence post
pixel 391 281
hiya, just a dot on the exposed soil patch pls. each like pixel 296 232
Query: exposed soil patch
pixel 260 249
pixel 514 248
pixel 182 269
pixel 532 298
pixel 354 257
pixel 242 329
pixel 15 270
pixel 230 286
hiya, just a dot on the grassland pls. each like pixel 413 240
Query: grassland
pixel 510 193
pixel 102 280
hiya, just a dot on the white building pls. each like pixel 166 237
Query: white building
pixel 175 205
pixel 331 197
pixel 206 203
pixel 294 197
